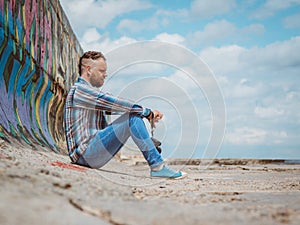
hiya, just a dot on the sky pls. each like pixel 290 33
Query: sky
pixel 251 49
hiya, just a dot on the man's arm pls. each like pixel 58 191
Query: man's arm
pixel 92 98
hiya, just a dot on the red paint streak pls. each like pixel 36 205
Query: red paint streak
pixel 3 156
pixel 69 166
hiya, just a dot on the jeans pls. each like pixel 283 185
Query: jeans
pixel 108 141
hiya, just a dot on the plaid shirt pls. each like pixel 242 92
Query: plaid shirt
pixel 85 110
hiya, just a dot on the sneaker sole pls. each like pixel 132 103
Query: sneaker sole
pixel 181 177
pixel 172 178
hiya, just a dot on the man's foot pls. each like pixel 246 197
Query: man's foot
pixel 167 172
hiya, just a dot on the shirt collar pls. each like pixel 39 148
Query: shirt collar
pixel 81 80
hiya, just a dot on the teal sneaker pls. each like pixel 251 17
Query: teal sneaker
pixel 167 172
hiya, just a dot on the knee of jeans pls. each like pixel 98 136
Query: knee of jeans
pixel 135 118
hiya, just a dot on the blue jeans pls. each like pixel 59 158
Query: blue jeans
pixel 108 141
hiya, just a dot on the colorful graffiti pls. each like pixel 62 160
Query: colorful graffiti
pixel 38 63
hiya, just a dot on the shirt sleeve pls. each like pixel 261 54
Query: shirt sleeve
pixel 92 98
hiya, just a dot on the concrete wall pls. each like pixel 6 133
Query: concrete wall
pixel 38 62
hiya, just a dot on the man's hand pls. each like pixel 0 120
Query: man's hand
pixel 155 117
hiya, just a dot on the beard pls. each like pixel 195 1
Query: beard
pixel 96 82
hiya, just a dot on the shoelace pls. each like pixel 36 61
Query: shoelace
pixel 170 170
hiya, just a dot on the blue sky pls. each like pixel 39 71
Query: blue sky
pixel 252 48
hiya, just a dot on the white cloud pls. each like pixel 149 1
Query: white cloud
pixel 291 102
pixel 257 29
pixel 292 22
pixel 91 35
pixel 161 18
pixel 292 96
pixel 223 29
pixel 213 31
pixel 275 56
pixel 93 40
pixel 90 13
pixel 224 60
pixel 184 81
pixel 246 136
pixel 135 26
pixel 271 59
pixel 278 136
pixel 244 90
pixel 271 7
pixel 170 38
pixel 210 8
pixel 266 76
pixel 255 136
pixel 181 14
pixel 268 112
pixel 223 80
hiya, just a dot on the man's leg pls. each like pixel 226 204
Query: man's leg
pixel 141 138
pixel 108 142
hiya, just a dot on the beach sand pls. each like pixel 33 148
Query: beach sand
pixel 43 187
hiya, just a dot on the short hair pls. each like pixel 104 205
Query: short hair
pixel 90 55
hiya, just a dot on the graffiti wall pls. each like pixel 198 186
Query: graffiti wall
pixel 38 63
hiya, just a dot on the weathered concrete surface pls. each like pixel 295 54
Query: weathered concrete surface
pixel 42 187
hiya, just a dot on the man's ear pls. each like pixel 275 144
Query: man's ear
pixel 88 70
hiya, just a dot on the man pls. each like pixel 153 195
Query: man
pixel 91 141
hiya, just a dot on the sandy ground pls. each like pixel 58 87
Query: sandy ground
pixel 42 187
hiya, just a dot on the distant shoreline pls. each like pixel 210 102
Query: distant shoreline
pixel 230 161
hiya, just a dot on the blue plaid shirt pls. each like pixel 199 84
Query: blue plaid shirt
pixel 85 110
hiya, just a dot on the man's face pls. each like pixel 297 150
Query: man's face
pixel 98 72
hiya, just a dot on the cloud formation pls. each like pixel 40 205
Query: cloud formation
pixel 252 48
pixel 90 13
pixel 210 8
pixel 271 7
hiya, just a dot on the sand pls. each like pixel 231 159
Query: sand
pixel 43 187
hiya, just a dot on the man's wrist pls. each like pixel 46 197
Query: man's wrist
pixel 147 113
